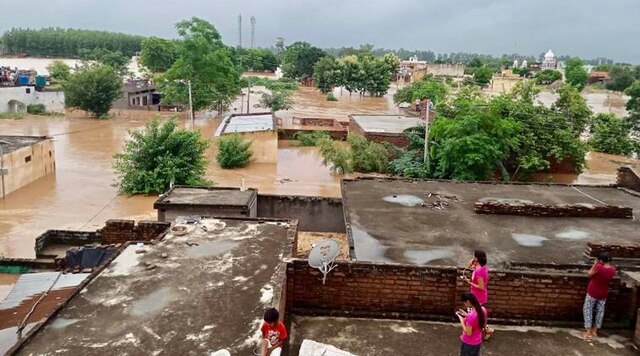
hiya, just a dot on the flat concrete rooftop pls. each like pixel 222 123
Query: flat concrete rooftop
pixel 180 195
pixel 386 123
pixel 12 143
pixel 186 295
pixel 375 337
pixel 247 123
pixel 432 222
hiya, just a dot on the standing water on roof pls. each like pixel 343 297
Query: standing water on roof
pixel 420 257
pixel 406 200
pixel 528 240
pixel 214 248
pixel 367 247
pixel 153 303
pixel 573 235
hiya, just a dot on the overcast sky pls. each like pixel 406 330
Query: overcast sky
pixel 587 28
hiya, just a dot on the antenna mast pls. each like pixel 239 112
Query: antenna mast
pixel 239 31
pixel 253 31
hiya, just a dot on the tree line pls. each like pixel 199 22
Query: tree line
pixel 69 43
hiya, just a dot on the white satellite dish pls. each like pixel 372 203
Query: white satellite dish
pixel 323 255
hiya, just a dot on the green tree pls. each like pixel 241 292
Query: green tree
pixel 633 105
pixel 360 155
pixel 611 134
pixel 575 73
pixel 573 108
pixel 427 87
pixel 93 88
pixel 59 71
pixel 277 100
pixel 233 151
pixel 206 62
pixel 158 155
pixel 310 138
pixel 483 76
pixel 621 78
pixel 327 74
pixel 158 54
pixel 547 76
pixel 473 144
pixel 299 58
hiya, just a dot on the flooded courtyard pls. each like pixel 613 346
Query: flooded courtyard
pixel 82 193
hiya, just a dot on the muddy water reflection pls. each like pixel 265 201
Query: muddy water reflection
pixel 82 195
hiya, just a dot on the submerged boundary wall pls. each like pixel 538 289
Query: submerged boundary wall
pixel 365 289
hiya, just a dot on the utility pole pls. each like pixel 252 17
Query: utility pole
pixel 191 106
pixel 239 31
pixel 426 135
pixel 248 93
pixel 3 171
pixel 253 31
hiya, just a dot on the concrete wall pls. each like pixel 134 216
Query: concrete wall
pixel 65 237
pixel 449 70
pixel 313 213
pixel 397 139
pixel 629 179
pixel 27 164
pixel 53 100
pixel 426 292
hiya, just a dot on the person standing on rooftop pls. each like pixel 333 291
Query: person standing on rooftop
pixel 479 281
pixel 600 276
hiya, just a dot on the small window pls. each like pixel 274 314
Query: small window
pixel 27 159
pixel 28 90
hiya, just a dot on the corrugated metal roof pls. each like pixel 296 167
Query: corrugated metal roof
pixel 34 283
pixel 246 123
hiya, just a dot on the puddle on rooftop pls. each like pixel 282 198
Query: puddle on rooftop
pixel 211 248
pixel 573 235
pixel 153 303
pixel 529 240
pixel 420 257
pixel 61 323
pixel 403 199
pixel 367 247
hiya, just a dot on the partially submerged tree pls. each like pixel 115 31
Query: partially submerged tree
pixel 93 88
pixel 573 107
pixel 233 151
pixel 633 106
pixel 611 134
pixel 158 54
pixel 160 154
pixel 59 71
pixel 547 76
pixel 205 61
pixel 277 100
pixel 299 58
pixel 575 73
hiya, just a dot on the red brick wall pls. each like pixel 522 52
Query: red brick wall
pixel 554 210
pixel 314 121
pixel 368 289
pixel 121 231
pixel 620 251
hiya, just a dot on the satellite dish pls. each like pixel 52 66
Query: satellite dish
pixel 323 255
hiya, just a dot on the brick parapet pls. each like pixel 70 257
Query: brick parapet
pixel 553 210
pixel 120 231
pixel 615 251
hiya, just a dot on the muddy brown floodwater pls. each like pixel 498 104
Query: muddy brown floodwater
pixel 81 194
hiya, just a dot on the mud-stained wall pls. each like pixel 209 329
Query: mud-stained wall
pixel 65 237
pixel 627 178
pixel 313 213
pixel 26 165
pixel 427 292
pixel 53 100
pixel 397 139
pixel 448 70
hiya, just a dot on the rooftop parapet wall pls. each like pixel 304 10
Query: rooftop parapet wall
pixel 66 237
pixel 553 210
pixel 317 214
pixel 428 292
pixel 121 231
pixel 614 251
pixel 628 178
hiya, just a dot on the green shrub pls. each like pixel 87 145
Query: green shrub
pixel 310 138
pixel 233 152
pixel 331 97
pixel 158 155
pixel 37 109
pixel 360 155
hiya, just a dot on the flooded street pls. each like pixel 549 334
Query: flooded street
pixel 82 195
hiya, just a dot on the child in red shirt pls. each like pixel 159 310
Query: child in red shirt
pixel 273 333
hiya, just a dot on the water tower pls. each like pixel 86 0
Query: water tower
pixel 279 44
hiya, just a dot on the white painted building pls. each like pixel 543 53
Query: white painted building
pixel 16 99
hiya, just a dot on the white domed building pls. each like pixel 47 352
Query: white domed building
pixel 549 61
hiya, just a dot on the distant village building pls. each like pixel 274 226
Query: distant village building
pixel 549 61
pixel 259 128
pixel 23 159
pixel 599 76
pixel 16 99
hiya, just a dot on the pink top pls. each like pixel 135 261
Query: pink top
pixel 476 331
pixel 481 294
